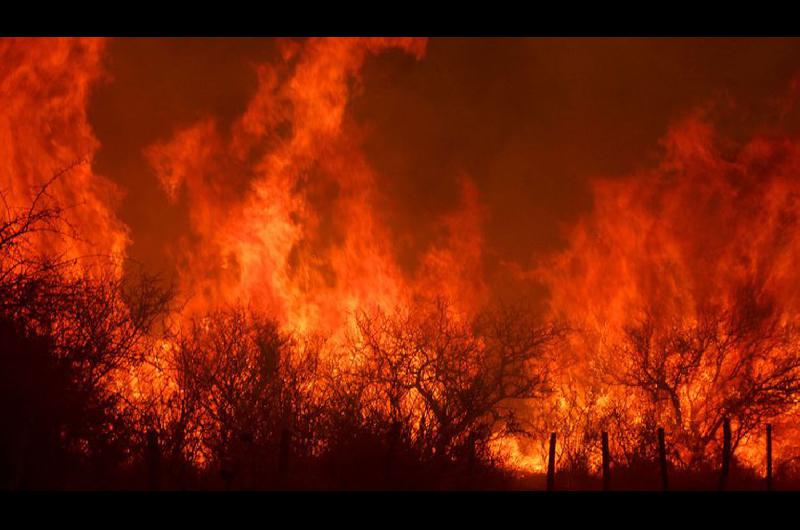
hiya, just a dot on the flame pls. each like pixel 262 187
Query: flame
pixel 686 232
pixel 284 205
pixel 285 215
pixel 713 216
pixel 45 136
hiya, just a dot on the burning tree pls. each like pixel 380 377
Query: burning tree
pixel 243 386
pixel 67 332
pixel 739 361
pixel 452 384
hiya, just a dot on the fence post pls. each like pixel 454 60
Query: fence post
pixel 606 464
pixel 227 471
pixel 551 464
pixel 662 459
pixel 249 456
pixel 283 462
pixel 726 453
pixel 472 457
pixel 153 460
pixel 391 453
pixel 769 457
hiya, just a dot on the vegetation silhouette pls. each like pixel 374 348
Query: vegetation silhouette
pixel 416 398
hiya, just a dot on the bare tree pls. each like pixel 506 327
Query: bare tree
pixel 243 384
pixel 740 362
pixel 66 335
pixel 452 383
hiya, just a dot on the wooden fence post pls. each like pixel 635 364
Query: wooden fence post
pixel 391 453
pixel 769 457
pixel 726 453
pixel 153 460
pixel 283 462
pixel 227 471
pixel 606 464
pixel 551 464
pixel 249 474
pixel 472 456
pixel 662 459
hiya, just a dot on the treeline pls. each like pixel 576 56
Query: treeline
pixel 99 389
pixel 264 409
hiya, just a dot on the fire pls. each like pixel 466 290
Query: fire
pixel 714 219
pixel 302 237
pixel 685 233
pixel 285 217
pixel 45 136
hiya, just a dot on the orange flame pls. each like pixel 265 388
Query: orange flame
pixel 712 217
pixel 44 132
pixel 302 236
pixel 285 213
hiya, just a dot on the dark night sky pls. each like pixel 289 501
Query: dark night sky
pixel 532 121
